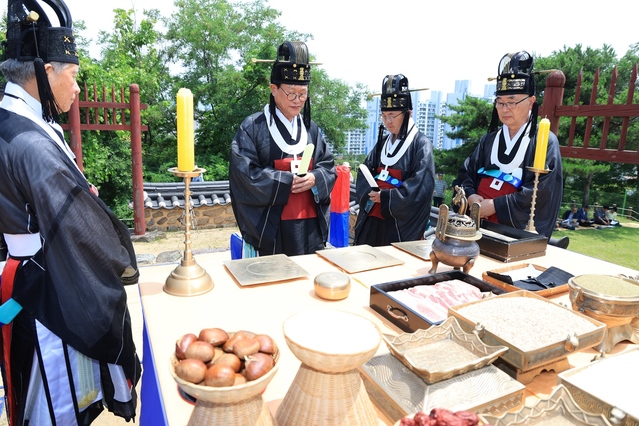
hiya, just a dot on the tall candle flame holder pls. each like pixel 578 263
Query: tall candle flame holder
pixel 189 278
pixel 531 223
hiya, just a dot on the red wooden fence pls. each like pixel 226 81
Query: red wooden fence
pixel 590 149
pixel 107 111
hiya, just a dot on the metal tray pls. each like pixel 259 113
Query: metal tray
pixel 549 411
pixel 398 392
pixel 420 248
pixel 359 258
pixel 610 382
pixel 422 351
pixel 527 359
pixel 264 270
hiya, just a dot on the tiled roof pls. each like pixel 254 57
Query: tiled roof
pixel 171 195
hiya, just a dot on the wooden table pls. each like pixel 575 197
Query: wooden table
pixel 264 308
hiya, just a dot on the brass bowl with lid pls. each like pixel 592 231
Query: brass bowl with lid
pixel 332 285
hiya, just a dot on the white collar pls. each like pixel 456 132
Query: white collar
pixel 518 159
pixel 390 160
pixel 277 137
pixel 29 107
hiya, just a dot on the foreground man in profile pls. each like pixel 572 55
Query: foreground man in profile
pixel 67 344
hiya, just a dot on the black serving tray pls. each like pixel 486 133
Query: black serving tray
pixel 517 244
pixel 404 317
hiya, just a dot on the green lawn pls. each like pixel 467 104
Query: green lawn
pixel 618 245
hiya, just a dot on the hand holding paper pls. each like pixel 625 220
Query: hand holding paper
pixel 369 177
pixel 306 159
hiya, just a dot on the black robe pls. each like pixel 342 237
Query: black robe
pixel 86 250
pixel 259 192
pixel 514 209
pixel 406 209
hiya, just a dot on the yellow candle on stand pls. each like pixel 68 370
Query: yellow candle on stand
pixel 186 155
pixel 543 131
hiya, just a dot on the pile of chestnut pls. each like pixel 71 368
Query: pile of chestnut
pixel 218 359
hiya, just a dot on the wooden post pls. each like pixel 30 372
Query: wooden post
pixel 139 224
pixel 553 97
pixel 75 136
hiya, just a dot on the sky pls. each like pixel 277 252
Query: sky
pixel 433 43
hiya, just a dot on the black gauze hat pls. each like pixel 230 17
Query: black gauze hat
pixel 292 65
pixel 32 35
pixel 516 74
pixel 395 94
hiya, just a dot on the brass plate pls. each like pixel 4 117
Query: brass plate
pixel 549 411
pixel 609 382
pixel 359 258
pixel 419 248
pixel 265 269
pixel 398 392
pixel 421 351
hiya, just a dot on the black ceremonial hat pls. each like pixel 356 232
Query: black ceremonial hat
pixel 515 74
pixel 292 65
pixel 395 94
pixel 31 33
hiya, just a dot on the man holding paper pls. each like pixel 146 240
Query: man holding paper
pixel 497 173
pixel 396 181
pixel 281 170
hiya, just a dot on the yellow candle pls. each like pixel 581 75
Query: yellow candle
pixel 543 131
pixel 186 155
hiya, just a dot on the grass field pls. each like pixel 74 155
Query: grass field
pixel 618 245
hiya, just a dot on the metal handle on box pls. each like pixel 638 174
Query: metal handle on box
pixel 391 310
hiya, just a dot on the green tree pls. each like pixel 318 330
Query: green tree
pixel 215 42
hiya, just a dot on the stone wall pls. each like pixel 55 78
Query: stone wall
pixel 206 217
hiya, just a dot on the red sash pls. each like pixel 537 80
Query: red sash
pixel 301 205
pixel 6 290
pixel 490 193
pixel 376 211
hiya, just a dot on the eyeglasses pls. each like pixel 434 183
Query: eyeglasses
pixel 509 105
pixel 389 118
pixel 293 96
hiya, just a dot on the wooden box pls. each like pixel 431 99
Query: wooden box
pixel 510 244
pixel 509 287
pixel 406 318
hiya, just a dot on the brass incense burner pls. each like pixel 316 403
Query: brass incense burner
pixel 456 235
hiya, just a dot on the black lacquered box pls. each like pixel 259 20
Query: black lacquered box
pixel 406 318
pixel 510 244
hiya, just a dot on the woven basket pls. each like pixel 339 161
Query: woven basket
pixel 250 412
pixel 307 334
pixel 326 399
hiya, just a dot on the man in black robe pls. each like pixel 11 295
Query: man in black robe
pixel 278 207
pixel 497 174
pixel 403 168
pixel 68 348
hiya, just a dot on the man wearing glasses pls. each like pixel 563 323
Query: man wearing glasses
pixel 496 174
pixel 403 169
pixel 280 208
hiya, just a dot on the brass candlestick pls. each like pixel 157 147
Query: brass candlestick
pixel 189 278
pixel 531 223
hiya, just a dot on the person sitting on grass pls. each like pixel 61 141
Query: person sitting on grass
pixel 569 218
pixel 582 216
pixel 601 217
pixel 612 216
